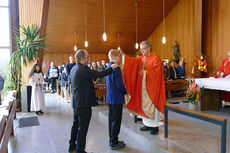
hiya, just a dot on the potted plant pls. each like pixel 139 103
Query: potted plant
pixel 29 44
pixel 194 94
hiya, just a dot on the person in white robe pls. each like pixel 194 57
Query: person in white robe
pixel 36 80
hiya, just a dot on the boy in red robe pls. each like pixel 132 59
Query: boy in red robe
pixel 225 72
pixel 144 80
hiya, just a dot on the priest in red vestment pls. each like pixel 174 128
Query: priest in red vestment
pixel 144 80
pixel 225 73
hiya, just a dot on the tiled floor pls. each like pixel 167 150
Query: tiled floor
pixel 186 135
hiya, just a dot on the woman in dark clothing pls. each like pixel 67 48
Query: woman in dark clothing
pixel 166 70
pixel 173 72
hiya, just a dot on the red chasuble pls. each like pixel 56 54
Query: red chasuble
pixel 155 84
pixel 225 67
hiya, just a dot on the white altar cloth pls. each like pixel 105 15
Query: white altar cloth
pixel 214 83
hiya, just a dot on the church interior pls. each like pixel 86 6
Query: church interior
pixel 172 58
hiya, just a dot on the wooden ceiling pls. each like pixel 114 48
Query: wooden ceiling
pixel 67 16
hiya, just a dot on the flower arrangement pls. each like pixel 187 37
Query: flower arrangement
pixel 194 92
pixel 202 64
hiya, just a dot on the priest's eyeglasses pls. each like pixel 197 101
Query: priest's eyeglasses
pixel 144 48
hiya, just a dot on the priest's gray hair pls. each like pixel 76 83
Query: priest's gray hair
pixel 80 54
pixel 228 51
pixel 147 44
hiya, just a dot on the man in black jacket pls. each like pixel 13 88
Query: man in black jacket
pixel 83 97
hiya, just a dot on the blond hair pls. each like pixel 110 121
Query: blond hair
pixel 113 53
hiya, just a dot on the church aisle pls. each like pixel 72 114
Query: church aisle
pixel 186 135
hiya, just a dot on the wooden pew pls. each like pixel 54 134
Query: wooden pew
pixel 100 90
pixel 175 85
pixel 6 126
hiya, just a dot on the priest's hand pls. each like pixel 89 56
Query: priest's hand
pixel 222 75
pixel 122 53
pixel 114 66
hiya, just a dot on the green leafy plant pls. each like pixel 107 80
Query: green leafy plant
pixel 11 80
pixel 29 44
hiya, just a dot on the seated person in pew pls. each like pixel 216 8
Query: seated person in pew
pixel 165 70
pixel 181 70
pixel 225 73
pixel 173 71
pixel 36 80
pixel 115 99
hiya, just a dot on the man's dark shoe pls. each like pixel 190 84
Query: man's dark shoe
pixel 146 128
pixel 155 131
pixel 117 143
pixel 72 149
pixel 117 146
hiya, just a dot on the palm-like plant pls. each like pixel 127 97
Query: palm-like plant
pixel 29 45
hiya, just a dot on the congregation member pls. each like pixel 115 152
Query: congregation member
pixel 103 66
pixel 144 81
pixel 69 66
pixel 181 70
pixel 173 71
pixel 94 66
pixel 64 79
pixel 53 74
pixel 166 70
pixel 36 80
pixel 115 99
pixel 225 73
pixel 83 98
pixel 98 64
pixel 62 68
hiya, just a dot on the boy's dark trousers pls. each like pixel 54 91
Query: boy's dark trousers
pixel 115 116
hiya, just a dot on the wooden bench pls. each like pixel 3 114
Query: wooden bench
pixel 175 85
pixel 199 115
pixel 100 90
pixel 6 126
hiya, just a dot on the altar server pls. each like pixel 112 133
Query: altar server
pixel 36 80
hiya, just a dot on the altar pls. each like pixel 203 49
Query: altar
pixel 212 98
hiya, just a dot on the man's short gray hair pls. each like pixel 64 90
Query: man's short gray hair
pixel 228 51
pixel 147 44
pixel 80 54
